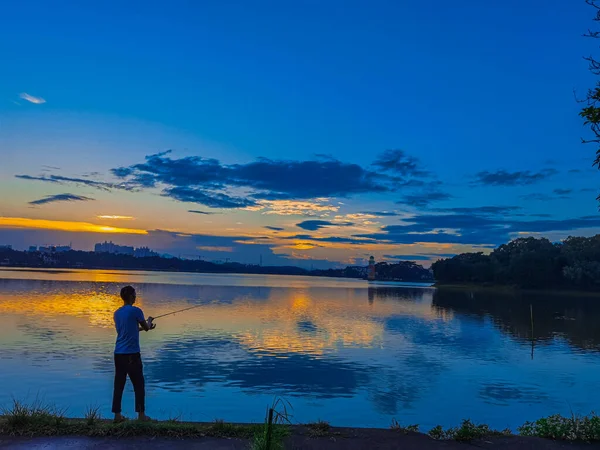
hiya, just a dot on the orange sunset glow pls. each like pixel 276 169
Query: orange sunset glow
pixel 61 225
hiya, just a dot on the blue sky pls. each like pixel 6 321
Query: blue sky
pixel 478 96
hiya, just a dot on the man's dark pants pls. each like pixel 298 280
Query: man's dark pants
pixel 129 364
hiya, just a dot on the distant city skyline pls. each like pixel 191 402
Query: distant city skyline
pixel 295 134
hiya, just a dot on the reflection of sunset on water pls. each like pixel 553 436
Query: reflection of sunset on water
pixel 96 304
pixel 277 325
pixel 294 336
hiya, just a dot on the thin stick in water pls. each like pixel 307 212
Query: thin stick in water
pixel 532 335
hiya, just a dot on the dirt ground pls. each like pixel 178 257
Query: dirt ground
pixel 338 438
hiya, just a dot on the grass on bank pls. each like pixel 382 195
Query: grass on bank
pixel 320 428
pixel 37 419
pixel 275 429
pixel 574 428
pixel 466 432
pixel 396 426
pixel 40 420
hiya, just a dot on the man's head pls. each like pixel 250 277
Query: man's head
pixel 128 295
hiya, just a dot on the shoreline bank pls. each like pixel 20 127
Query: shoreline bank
pixel 25 425
pixel 243 436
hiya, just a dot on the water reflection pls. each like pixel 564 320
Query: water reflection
pixel 354 354
pixel 571 317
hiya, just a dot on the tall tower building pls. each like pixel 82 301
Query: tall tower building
pixel 371 273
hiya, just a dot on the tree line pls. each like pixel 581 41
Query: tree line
pixel 384 271
pixel 528 263
pixel 404 270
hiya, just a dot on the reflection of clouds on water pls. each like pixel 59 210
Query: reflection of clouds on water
pixel 309 342
pixel 160 294
pixel 41 333
pixel 510 313
pixel 299 375
pixel 505 393
pixel 463 339
pixel 198 362
pixel 344 350
pixel 398 388
pixel 306 326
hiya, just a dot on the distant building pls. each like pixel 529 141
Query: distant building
pixel 32 248
pixel 5 247
pixel 144 252
pixel 115 249
pixel 371 275
pixel 110 247
pixel 47 249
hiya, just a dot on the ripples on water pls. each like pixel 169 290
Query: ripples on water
pixel 340 350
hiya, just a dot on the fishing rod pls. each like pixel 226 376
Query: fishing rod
pixel 175 312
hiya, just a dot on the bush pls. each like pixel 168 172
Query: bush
pixel 574 428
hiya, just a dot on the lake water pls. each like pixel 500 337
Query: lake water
pixel 345 351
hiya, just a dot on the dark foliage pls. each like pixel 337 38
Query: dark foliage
pixel 401 271
pixel 528 263
pixel 93 260
pixel 404 270
pixel 591 110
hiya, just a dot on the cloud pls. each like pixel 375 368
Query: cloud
pixel 32 99
pixel 60 198
pixel 537 196
pixel 424 199
pixel 210 199
pixel 274 228
pixel 426 257
pixel 244 249
pixel 58 179
pixel 505 178
pixel 331 239
pixel 122 172
pixel 268 179
pixel 62 225
pixel 314 225
pixel 113 217
pixel 471 229
pixel 562 191
pixel 399 162
pixel 32 178
pixel 317 207
pixel 484 210
pixel 205 213
pixel 263 184
pixel 408 257
pixel 212 248
pixel 381 213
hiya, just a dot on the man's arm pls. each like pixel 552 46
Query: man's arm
pixel 145 325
